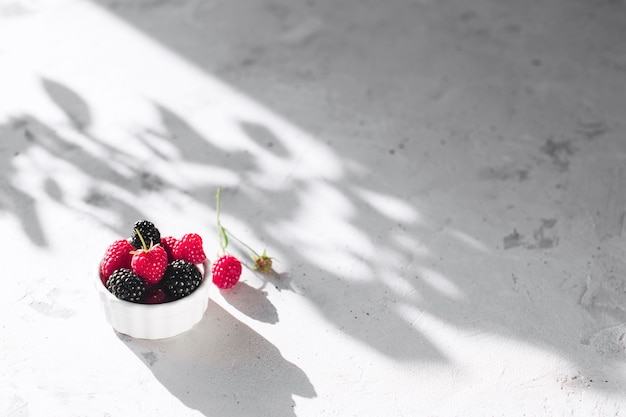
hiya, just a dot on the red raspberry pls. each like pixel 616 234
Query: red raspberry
pixel 150 264
pixel 189 248
pixel 118 255
pixel 226 271
pixel 154 295
pixel 168 243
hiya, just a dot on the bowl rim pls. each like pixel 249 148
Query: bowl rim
pixel 206 268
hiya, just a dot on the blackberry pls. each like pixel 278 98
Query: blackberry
pixel 126 285
pixel 181 278
pixel 148 231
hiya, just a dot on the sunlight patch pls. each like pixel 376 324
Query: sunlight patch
pixel 389 206
pixel 440 283
pixel 470 241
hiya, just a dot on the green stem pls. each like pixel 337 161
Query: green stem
pixel 217 205
pixel 220 229
pixel 143 242
pixel 242 242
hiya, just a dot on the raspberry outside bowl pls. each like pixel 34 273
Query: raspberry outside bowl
pixel 156 321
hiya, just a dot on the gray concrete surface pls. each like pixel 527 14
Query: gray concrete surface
pixel 442 183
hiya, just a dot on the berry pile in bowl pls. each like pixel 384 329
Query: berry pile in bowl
pixel 154 287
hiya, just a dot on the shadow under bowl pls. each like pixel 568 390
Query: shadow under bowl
pixel 156 321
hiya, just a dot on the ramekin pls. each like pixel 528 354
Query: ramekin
pixel 156 321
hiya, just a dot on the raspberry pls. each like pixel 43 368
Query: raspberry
pixel 148 231
pixel 189 248
pixel 168 243
pixel 155 294
pixel 115 257
pixel 149 263
pixel 181 278
pixel 226 271
pixel 126 285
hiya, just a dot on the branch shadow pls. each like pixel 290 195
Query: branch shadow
pixel 223 367
pixel 110 176
pixel 42 139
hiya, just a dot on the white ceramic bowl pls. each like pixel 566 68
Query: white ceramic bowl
pixel 156 321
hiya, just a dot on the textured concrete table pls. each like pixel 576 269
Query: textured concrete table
pixel 442 184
